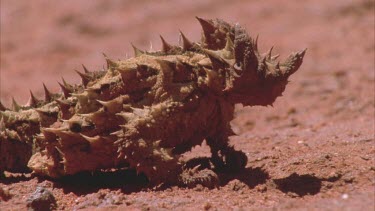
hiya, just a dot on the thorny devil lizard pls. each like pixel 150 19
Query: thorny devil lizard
pixel 144 112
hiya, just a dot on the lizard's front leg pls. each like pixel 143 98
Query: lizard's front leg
pixel 225 157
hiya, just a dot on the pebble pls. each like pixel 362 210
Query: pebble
pixel 41 200
pixel 5 193
pixel 345 196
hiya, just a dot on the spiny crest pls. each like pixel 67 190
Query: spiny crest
pixel 232 60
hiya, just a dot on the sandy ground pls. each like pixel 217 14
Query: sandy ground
pixel 314 150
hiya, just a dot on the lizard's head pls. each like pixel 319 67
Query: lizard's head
pixel 248 77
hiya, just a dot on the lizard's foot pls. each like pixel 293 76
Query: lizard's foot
pixel 230 159
pixel 196 176
pixel 235 160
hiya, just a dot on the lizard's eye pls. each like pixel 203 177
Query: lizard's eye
pixel 237 69
pixel 237 66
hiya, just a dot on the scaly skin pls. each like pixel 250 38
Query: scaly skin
pixel 144 112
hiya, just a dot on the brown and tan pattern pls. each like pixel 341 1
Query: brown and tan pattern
pixel 144 112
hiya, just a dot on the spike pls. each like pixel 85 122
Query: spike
pixel 99 117
pixel 151 48
pixel 302 53
pixel 91 140
pixel 186 44
pixel 42 112
pixel 264 61
pixel 180 66
pixel 51 130
pixel 64 82
pixel 40 138
pixel 166 66
pixel 82 97
pixel 137 52
pixel 60 151
pixel 103 103
pixel 33 101
pixel 255 43
pixel 47 94
pixel 275 57
pixel 211 75
pixel 64 88
pixel 68 138
pixel 213 54
pixel 277 66
pixel 120 155
pixel 216 60
pixel 118 133
pixel 113 106
pixel 229 44
pixel 209 72
pixel 64 108
pixel 2 124
pixel 85 69
pixel 292 63
pixel 89 115
pixel 207 26
pixel 269 54
pixel 110 106
pixel 127 116
pixel 84 78
pixel 15 105
pixel 262 67
pixel 213 81
pixel 110 64
pixel 2 107
pixel 166 47
pixel 4 115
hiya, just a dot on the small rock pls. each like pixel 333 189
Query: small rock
pixel 327 156
pixel 329 185
pixel 237 185
pixel 207 206
pixel 128 202
pixel 198 188
pixel 365 157
pixel 334 175
pixel 348 178
pixel 261 188
pixel 292 195
pixel 42 199
pixel 117 200
pixel 345 196
pixel 5 194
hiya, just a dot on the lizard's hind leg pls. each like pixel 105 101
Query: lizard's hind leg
pixel 159 164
